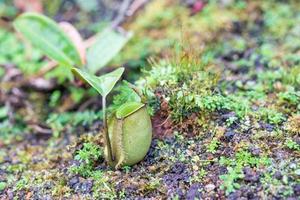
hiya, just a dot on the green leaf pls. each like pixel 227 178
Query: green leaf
pixel 103 84
pixel 106 47
pixel 47 36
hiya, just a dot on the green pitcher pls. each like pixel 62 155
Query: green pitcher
pixel 130 134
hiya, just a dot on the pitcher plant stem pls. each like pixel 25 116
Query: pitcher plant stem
pixel 106 136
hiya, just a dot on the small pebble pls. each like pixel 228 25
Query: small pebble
pixel 73 181
pixel 193 192
pixel 250 175
pixel 228 136
pixel 278 175
pixel 10 194
pixel 297 189
pixel 87 186
pixel 235 195
pixel 209 187
pixel 255 151
pixel 152 168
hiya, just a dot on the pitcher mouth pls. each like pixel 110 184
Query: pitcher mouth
pixel 128 108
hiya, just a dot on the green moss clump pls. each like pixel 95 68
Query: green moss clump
pixel 87 156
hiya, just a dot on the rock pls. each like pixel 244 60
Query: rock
pixel 235 195
pixel 250 175
pixel 177 174
pixel 278 175
pixel 296 189
pixel 268 127
pixel 73 181
pixel 193 192
pixel 293 165
pixel 152 168
pixel 255 151
pixel 86 186
pixel 10 194
pixel 228 115
pixel 77 187
pixel 285 179
pixel 209 187
pixel 48 185
pixel 47 197
pixel 228 136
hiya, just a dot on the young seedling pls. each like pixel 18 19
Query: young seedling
pixel 103 84
pixel 128 131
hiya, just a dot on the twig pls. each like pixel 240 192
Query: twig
pixel 106 135
pixel 135 6
pixel 10 114
pixel 122 13
pixel 40 129
pixel 46 68
pixel 165 121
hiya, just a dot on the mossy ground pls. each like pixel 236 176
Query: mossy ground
pixel 226 114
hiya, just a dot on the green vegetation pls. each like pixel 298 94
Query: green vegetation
pixel 213 146
pixel 271 116
pixel 87 156
pixel 234 167
pixel 289 143
pixel 69 120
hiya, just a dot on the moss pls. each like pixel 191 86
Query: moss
pixel 293 125
pixel 88 156
pixel 234 168
pixel 271 116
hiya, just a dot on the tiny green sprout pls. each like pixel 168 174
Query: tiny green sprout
pixel 128 131
pixel 126 169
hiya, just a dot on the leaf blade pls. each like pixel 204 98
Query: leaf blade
pixel 103 84
pixel 47 36
pixel 91 79
pixel 109 80
pixel 107 46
